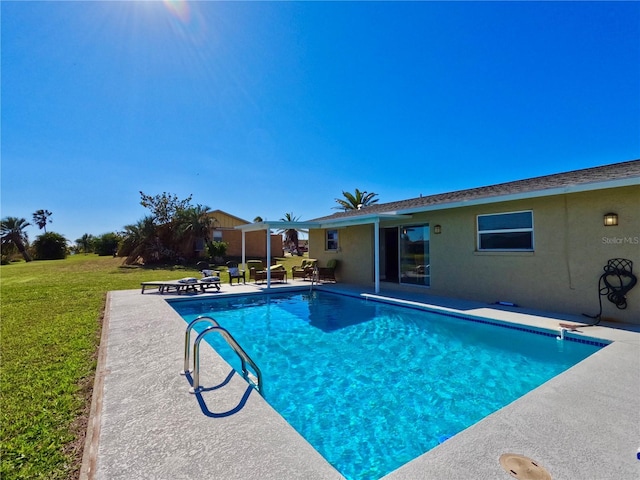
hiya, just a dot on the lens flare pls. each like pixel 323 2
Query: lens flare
pixel 186 20
pixel 179 8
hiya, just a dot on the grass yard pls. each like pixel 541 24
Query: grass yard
pixel 49 336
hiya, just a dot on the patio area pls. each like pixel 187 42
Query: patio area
pixel 584 423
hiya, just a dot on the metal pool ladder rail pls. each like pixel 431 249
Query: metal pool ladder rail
pixel 315 277
pixel 255 382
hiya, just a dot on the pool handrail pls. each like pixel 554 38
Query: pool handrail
pixel 187 336
pixel 315 276
pixel 231 341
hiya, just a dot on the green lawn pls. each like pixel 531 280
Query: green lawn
pixel 51 315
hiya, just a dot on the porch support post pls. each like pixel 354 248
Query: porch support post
pixel 268 258
pixel 244 255
pixel 376 254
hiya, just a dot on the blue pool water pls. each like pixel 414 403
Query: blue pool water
pixel 372 386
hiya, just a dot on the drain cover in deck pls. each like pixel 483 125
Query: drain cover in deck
pixel 524 468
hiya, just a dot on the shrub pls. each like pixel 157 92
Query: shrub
pixel 217 250
pixel 50 246
pixel 106 244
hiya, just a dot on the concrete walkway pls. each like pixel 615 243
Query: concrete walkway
pixel 582 424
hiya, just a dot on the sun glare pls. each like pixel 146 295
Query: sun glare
pixel 179 8
pixel 186 20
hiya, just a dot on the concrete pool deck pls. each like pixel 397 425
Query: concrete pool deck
pixel 144 424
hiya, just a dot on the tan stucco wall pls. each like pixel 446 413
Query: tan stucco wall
pixel 355 254
pixel 255 244
pixel 571 247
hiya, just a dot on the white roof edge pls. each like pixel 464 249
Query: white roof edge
pixel 252 227
pixel 361 219
pixel 337 222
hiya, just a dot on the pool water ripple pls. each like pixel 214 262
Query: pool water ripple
pixel 372 386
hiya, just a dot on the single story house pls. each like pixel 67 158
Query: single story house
pixel 224 230
pixel 540 243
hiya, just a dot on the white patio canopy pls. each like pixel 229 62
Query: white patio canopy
pixel 374 219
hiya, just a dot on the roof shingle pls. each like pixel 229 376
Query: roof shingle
pixel 616 171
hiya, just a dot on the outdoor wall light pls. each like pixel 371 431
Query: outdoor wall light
pixel 611 219
pixel 437 229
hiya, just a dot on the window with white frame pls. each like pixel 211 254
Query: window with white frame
pixel 217 235
pixel 511 231
pixel 331 240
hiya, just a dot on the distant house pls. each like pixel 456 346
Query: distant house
pixel 540 243
pixel 255 242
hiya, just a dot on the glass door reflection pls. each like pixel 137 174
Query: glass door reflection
pixel 414 255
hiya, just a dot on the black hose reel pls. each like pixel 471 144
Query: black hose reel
pixel 615 283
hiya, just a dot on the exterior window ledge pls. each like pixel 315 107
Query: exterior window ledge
pixel 503 253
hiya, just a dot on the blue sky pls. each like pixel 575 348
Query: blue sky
pixel 263 108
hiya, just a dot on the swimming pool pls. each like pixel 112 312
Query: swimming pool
pixel 372 386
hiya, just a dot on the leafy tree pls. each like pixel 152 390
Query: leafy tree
pixel 50 246
pixel 12 231
pixel 164 206
pixel 175 229
pixel 258 219
pixel 85 242
pixel 106 244
pixel 217 250
pixel 356 201
pixel 41 218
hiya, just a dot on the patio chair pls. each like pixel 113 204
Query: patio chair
pixel 305 270
pixel 328 272
pixel 255 268
pixel 202 265
pixel 210 278
pixel 278 273
pixel 206 270
pixel 235 272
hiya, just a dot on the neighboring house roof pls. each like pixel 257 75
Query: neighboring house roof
pixel 219 214
pixel 596 178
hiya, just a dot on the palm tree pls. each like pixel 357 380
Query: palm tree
pixel 85 242
pixel 356 201
pixel 290 234
pixel 41 218
pixel 12 231
pixel 140 240
pixel 193 224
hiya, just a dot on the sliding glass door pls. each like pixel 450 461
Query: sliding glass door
pixel 414 255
